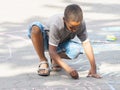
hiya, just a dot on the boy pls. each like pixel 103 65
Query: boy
pixel 58 31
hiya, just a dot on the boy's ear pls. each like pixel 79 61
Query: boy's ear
pixel 64 18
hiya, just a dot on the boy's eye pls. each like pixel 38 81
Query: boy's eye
pixel 73 27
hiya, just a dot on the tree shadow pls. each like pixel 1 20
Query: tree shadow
pixel 23 56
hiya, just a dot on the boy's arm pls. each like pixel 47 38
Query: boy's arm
pixel 54 55
pixel 89 53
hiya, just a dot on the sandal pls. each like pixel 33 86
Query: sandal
pixel 45 69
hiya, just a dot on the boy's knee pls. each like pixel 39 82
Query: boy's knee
pixel 35 30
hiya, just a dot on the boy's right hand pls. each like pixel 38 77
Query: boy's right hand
pixel 93 74
pixel 74 74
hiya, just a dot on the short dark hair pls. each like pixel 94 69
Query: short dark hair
pixel 73 12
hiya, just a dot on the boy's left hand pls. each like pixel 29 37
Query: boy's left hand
pixel 94 75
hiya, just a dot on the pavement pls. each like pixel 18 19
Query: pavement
pixel 19 61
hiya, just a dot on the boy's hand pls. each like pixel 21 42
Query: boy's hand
pixel 74 74
pixel 94 75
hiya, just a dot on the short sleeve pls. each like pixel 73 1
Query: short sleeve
pixel 82 35
pixel 54 35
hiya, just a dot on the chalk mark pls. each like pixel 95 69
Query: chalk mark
pixel 5 58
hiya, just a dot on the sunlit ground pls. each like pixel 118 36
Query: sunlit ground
pixel 18 57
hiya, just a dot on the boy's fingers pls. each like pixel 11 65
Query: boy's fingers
pixel 94 76
pixel 74 74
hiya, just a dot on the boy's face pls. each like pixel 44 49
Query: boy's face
pixel 72 25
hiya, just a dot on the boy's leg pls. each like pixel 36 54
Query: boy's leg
pixel 38 43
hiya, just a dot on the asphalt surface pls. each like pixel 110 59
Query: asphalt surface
pixel 19 61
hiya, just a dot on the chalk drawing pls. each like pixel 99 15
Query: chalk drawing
pixel 107 47
pixel 98 45
pixel 110 86
pixel 111 29
pixel 75 85
pixel 6 57
pixel 86 85
pixel 14 36
pixel 110 69
pixel 7 47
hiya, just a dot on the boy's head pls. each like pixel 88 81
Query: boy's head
pixel 73 12
pixel 73 16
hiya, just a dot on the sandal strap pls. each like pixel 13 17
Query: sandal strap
pixel 43 69
pixel 43 62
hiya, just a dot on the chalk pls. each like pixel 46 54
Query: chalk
pixel 110 86
pixel 111 38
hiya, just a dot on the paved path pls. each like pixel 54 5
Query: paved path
pixel 18 59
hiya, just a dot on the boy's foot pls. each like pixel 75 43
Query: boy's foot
pixel 43 69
